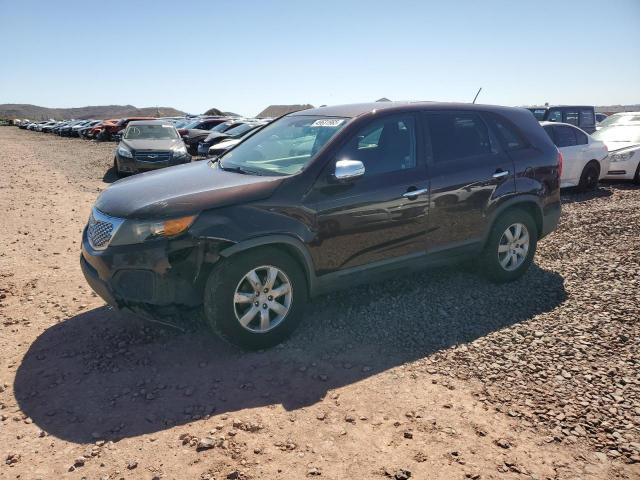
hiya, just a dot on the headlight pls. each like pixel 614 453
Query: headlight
pixel 180 151
pixel 134 231
pixel 621 157
pixel 124 151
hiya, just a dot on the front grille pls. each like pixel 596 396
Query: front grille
pixel 153 156
pixel 101 229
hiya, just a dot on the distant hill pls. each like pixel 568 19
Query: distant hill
pixel 274 111
pixel 34 112
pixel 216 111
pixel 618 108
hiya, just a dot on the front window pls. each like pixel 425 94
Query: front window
pixel 619 133
pixel 151 132
pixel 385 145
pixel 283 147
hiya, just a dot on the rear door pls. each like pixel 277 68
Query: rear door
pixel 566 141
pixel 467 171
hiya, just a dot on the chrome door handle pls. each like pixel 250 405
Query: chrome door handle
pixel 415 193
pixel 501 174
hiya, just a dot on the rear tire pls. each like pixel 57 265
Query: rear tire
pixel 589 177
pixel 250 314
pixel 511 246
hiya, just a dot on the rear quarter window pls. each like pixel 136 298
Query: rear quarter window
pixel 581 137
pixel 565 136
pixel 509 136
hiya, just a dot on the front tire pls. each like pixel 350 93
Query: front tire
pixel 116 169
pixel 511 246
pixel 255 299
pixel 589 177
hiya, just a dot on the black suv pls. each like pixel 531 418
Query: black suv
pixel 580 116
pixel 322 199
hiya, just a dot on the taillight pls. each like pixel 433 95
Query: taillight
pixel 560 161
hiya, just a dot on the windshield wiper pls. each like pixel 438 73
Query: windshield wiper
pixel 238 169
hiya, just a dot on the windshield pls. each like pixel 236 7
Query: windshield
pixel 182 123
pixel 192 124
pixel 620 119
pixel 223 127
pixel 150 132
pixel 283 147
pixel 240 130
pixel 619 133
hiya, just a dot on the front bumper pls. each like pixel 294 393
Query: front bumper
pixel 131 165
pixel 158 273
pixel 622 170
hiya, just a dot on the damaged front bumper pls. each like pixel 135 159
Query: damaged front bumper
pixel 157 273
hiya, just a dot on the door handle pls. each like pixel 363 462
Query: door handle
pixel 414 193
pixel 501 174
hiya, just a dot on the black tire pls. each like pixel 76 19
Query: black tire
pixel 589 177
pixel 636 177
pixel 116 169
pixel 220 289
pixel 490 259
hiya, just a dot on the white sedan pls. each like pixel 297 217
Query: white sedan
pixel 623 142
pixel 585 159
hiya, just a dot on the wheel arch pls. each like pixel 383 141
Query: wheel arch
pixel 595 162
pixel 290 245
pixel 528 203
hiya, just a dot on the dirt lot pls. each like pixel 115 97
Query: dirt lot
pixel 434 376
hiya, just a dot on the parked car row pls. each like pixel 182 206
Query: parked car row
pixel 332 196
pixel 593 148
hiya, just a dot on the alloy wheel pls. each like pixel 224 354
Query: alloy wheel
pixel 262 299
pixel 513 246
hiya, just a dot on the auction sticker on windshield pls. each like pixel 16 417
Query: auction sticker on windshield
pixel 328 122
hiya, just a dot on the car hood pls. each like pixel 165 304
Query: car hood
pixel 182 190
pixel 226 143
pixel 615 146
pixel 148 144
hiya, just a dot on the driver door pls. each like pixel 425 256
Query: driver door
pixel 382 215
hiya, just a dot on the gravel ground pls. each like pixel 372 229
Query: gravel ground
pixel 434 375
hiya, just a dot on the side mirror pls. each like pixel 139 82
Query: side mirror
pixel 348 170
